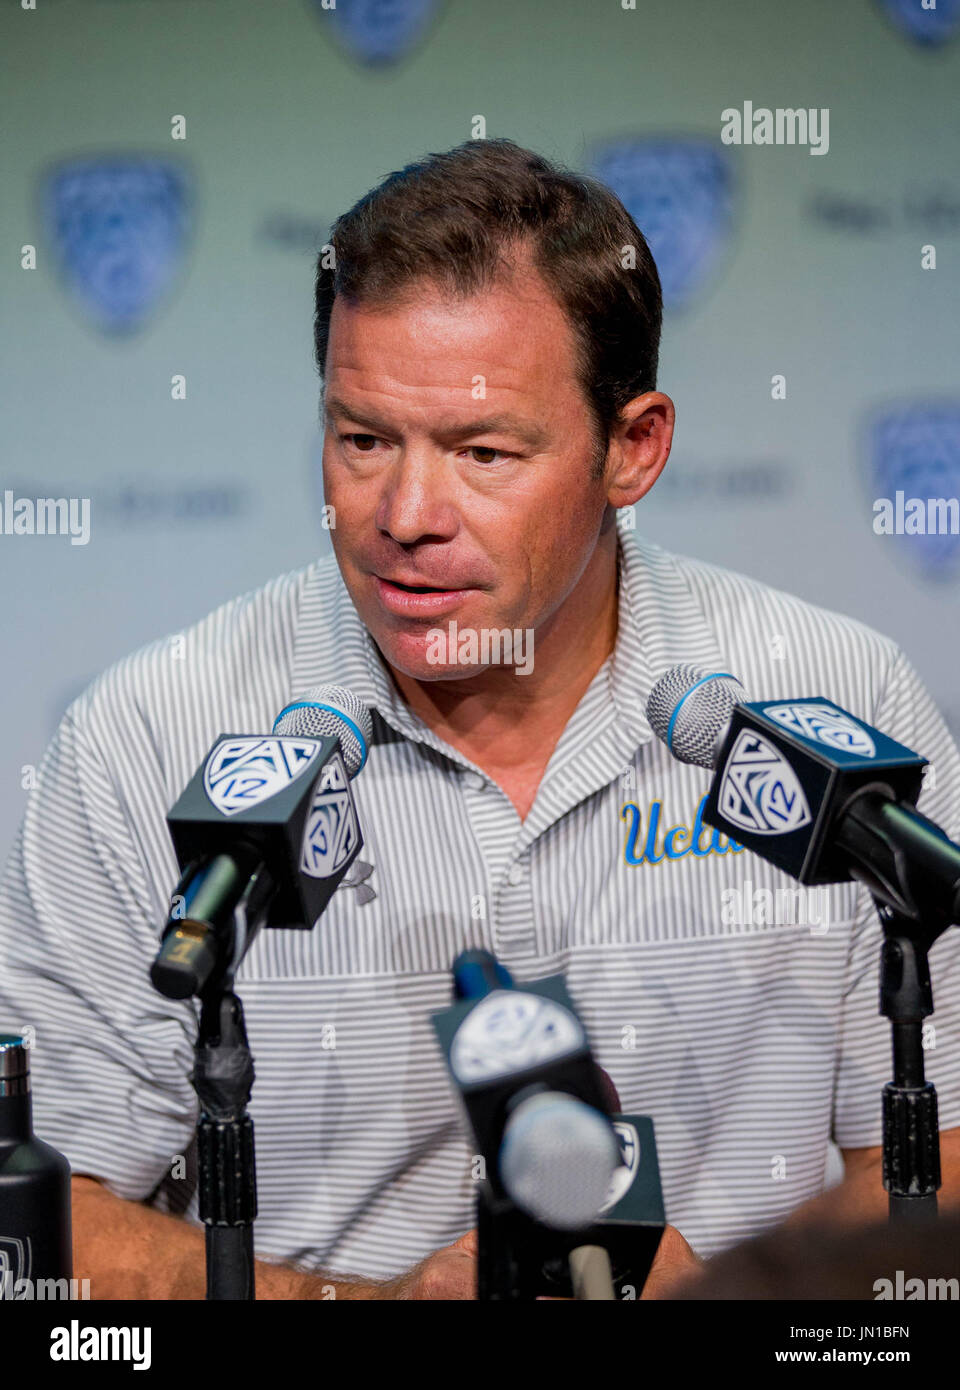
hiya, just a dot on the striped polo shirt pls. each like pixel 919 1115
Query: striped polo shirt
pixel 743 1022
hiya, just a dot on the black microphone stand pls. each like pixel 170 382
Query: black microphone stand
pixel 518 1256
pixel 201 961
pixel 499 1276
pixel 223 1079
pixel 913 877
pixel 911 1136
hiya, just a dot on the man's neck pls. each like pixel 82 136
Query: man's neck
pixel 509 724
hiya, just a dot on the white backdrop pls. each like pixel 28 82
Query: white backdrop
pixel 158 257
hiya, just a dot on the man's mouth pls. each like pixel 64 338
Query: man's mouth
pixel 408 599
pixel 417 588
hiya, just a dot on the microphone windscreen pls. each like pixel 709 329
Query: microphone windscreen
pixel 330 710
pixel 689 710
pixel 558 1159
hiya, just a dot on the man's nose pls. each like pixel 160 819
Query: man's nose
pixel 414 504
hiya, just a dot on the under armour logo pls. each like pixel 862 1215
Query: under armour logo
pixel 358 879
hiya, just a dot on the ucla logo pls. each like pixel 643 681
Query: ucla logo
pixel 913 466
pixel 119 229
pixel 675 842
pixel 244 772
pixel 378 32
pixel 760 791
pixel 930 25
pixel 331 834
pixel 680 194
pixel 620 1182
pixel 824 724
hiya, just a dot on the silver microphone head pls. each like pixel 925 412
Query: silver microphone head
pixel 558 1158
pixel 689 710
pixel 330 709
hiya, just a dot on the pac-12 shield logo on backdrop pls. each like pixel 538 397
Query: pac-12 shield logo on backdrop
pixel 824 724
pixel 914 449
pixel 760 791
pixel 244 772
pixel 377 32
pixel 927 27
pixel 680 193
pixel 331 832
pixel 119 229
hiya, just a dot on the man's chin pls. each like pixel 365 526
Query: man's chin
pixel 415 656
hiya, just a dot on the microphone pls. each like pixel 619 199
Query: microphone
pixel 812 789
pixel 263 834
pixel 557 1158
pixel 572 1202
pixel 521 1060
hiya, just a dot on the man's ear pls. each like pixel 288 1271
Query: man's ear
pixel 639 447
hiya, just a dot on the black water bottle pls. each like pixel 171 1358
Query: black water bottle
pixel 35 1241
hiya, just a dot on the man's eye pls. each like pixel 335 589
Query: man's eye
pixel 482 453
pixel 489 454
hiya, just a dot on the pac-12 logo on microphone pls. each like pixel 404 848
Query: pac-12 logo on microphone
pixel 332 833
pixel 510 1031
pixel 243 772
pixel 623 1176
pixel 824 724
pixel 760 791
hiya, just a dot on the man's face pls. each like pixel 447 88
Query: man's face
pixel 458 458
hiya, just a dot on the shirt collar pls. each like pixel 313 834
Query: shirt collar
pixel 661 623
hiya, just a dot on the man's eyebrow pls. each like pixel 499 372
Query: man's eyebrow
pixel 526 430
pixel 332 405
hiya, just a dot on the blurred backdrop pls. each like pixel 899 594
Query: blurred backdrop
pixel 170 169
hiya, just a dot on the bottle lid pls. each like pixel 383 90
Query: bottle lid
pixel 14 1057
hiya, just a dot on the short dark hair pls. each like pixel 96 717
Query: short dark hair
pixel 829 1262
pixel 456 218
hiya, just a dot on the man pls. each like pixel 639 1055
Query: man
pixel 488 339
